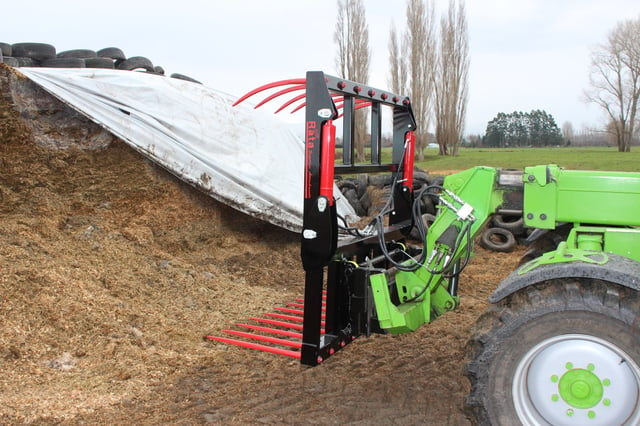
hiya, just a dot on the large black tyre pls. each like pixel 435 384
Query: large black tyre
pixel 498 239
pixel 37 51
pixel 561 352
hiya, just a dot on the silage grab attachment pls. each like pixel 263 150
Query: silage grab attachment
pixel 338 304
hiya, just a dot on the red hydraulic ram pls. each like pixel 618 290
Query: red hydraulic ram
pixel 409 149
pixel 327 161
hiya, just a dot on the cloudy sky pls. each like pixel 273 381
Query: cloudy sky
pixel 525 54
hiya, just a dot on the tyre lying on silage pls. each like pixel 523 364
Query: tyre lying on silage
pixel 498 239
pixel 368 194
pixel 513 223
pixel 512 228
pixel 352 197
pixel 427 221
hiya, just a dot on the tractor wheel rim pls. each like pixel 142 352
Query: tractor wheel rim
pixel 577 379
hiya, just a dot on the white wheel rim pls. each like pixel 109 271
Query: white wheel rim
pixel 577 379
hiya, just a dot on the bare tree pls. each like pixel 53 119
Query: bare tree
pixel 567 132
pixel 614 81
pixel 397 63
pixel 352 60
pixel 451 78
pixel 419 43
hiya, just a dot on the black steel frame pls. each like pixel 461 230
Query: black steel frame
pixel 337 273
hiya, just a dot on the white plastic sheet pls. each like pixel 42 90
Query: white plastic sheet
pixel 237 155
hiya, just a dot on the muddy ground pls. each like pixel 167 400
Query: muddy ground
pixel 113 272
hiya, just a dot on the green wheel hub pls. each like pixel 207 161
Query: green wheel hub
pixel 577 379
pixel 581 388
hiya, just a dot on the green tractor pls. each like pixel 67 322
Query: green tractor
pixel 560 343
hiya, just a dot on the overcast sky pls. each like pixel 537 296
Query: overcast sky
pixel 525 54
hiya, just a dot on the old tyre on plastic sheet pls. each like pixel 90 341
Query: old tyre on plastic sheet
pixel 136 62
pixel 112 52
pixel 37 51
pixel 6 49
pixel 26 62
pixel 63 63
pixel 498 239
pixel 184 77
pixel 564 352
pixel 11 61
pixel 106 63
pixel 77 53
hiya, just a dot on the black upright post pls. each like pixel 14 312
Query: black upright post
pixel 331 269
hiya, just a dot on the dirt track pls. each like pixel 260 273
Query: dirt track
pixel 112 273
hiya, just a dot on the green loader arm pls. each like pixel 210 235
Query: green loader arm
pixel 601 208
pixel 468 200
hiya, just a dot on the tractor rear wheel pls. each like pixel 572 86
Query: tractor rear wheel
pixel 563 352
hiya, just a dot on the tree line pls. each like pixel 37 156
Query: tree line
pixel 536 129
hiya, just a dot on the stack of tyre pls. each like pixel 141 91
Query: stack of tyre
pixel 45 55
pixel 503 233
pixel 358 192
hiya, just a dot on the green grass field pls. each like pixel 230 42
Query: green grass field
pixel 568 158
